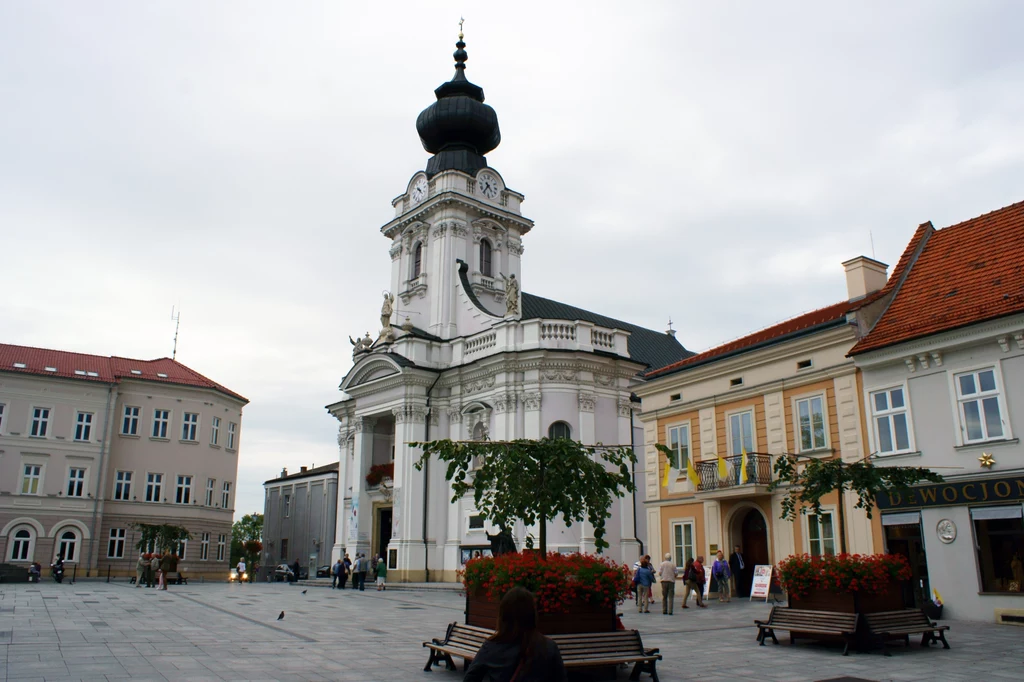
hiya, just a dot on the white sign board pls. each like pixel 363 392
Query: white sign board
pixel 762 582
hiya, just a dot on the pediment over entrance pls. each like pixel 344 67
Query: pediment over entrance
pixel 370 369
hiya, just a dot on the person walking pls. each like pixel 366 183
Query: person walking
pixel 336 574
pixel 667 576
pixel 517 650
pixel 346 571
pixel 165 569
pixel 721 573
pixel 296 567
pixel 699 579
pixel 382 574
pixel 644 579
pixel 140 570
pixel 361 566
pixel 240 569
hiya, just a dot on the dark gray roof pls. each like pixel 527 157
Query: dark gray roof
pixel 316 471
pixel 654 349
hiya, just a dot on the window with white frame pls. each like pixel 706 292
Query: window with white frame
pixel 486 251
pixel 130 423
pixel 21 546
pixel 204 547
pixel 810 423
pixel 115 544
pixel 183 492
pixel 32 475
pixel 741 432
pixel 979 402
pixel 2 408
pixel 417 261
pixel 160 420
pixel 891 421
pixel 154 487
pixel 215 431
pixel 682 542
pixel 83 426
pixel 189 426
pixel 123 485
pixel 181 548
pixel 76 482
pixel 40 422
pixel 821 537
pixel 286 505
pixel 221 541
pixel 232 429
pixel 68 545
pixel 678 438
pixel 209 492
pixel 225 495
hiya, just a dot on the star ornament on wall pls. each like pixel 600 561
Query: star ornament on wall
pixel 986 460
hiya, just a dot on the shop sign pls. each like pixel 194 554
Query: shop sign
pixel 989 490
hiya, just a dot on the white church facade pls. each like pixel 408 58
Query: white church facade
pixel 464 354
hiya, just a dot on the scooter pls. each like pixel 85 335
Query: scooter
pixel 57 571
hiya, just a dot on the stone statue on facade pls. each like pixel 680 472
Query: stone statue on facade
pixel 386 310
pixel 502 542
pixel 511 295
pixel 361 345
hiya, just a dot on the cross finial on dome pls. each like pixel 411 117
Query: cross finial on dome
pixel 460 27
pixel 460 55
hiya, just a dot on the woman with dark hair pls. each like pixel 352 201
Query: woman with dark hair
pixel 517 652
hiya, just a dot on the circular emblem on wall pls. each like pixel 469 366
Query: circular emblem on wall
pixel 946 530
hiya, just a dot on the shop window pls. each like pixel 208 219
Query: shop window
pixel 999 539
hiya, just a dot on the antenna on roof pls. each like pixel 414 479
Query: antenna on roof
pixel 872 238
pixel 670 331
pixel 177 323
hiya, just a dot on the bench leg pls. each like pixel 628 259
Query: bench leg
pixel 942 636
pixel 760 636
pixel 846 647
pixel 635 675
pixel 430 661
pixel 654 672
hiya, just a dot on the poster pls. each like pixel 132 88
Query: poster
pixel 396 514
pixel 353 520
pixel 762 582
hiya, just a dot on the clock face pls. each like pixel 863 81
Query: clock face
pixel 488 185
pixel 419 190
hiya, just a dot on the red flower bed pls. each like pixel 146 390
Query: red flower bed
pixel 378 472
pixel 557 581
pixel 803 574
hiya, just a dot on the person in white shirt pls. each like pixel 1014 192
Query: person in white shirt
pixel 667 577
pixel 241 569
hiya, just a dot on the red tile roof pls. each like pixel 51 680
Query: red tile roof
pixel 833 314
pixel 965 274
pixel 99 368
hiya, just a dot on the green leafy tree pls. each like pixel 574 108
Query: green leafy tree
pixel 248 529
pixel 808 479
pixel 537 480
pixel 159 537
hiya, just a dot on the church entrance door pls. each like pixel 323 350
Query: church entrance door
pixel 754 544
pixel 382 536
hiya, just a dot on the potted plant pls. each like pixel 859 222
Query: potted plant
pixel 849 583
pixel 378 472
pixel 575 592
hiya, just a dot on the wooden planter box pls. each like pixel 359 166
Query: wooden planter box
pixel 582 617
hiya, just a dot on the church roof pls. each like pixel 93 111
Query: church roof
pixel 652 348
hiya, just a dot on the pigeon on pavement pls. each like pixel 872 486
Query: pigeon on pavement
pixel 281 617
pixel 304 591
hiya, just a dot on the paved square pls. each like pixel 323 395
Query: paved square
pixel 100 631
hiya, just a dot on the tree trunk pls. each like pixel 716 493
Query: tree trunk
pixel 842 523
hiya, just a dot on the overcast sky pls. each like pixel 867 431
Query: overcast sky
pixel 712 162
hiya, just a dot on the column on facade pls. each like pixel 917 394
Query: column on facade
pixel 783 537
pixel 456 511
pixel 533 428
pixel 359 519
pixel 505 415
pixel 851 449
pixel 629 547
pixel 588 436
pixel 408 494
pixel 341 518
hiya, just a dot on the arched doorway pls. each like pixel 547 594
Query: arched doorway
pixel 750 532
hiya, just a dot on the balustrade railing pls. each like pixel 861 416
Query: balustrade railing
pixel 557 330
pixel 482 342
pixel 759 472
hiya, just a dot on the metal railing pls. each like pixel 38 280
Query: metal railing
pixel 759 472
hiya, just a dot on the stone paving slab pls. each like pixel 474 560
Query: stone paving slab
pixel 100 631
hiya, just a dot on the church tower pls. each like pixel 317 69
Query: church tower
pixel 457 225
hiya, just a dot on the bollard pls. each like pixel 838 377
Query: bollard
pixel 74 574
pixel 108 573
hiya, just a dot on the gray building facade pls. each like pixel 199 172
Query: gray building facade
pixel 300 518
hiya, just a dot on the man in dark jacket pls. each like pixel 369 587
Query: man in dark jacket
pixel 295 570
pixel 165 567
pixel 738 566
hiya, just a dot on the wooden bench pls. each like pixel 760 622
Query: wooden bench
pixel 825 623
pixel 585 650
pixel 888 625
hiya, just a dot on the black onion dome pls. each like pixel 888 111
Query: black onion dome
pixel 458 129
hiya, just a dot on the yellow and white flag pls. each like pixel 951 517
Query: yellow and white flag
pixel 743 468
pixel 691 474
pixel 723 470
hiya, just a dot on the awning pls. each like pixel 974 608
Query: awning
pixel 1014 512
pixel 902 519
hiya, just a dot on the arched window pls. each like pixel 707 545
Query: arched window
pixel 485 258
pixel 68 547
pixel 21 548
pixel 417 260
pixel 559 430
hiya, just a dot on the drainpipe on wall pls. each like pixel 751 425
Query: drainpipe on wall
pixel 426 484
pixel 632 444
pixel 101 476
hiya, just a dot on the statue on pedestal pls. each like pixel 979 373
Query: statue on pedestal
pixel 511 295
pixel 502 542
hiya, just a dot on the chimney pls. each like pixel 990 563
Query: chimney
pixel 284 472
pixel 302 470
pixel 864 276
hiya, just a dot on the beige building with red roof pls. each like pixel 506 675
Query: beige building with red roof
pixel 943 376
pixel 789 388
pixel 90 445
